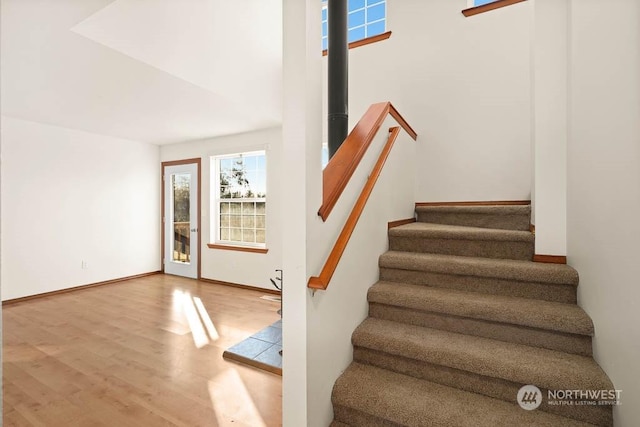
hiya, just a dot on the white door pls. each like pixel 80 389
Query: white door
pixel 181 220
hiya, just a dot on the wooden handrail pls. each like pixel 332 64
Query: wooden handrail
pixel 344 162
pixel 322 281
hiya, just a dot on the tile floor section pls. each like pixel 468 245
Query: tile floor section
pixel 261 350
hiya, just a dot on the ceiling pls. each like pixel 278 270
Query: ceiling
pixel 157 71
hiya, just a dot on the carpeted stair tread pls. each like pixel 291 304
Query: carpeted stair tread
pixel 396 399
pixel 510 217
pixel 540 314
pixel 498 359
pixel 450 232
pixel 462 240
pixel 508 269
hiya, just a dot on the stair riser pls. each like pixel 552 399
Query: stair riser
pixel 352 417
pixel 471 248
pixel 570 343
pixel 487 285
pixel 488 386
pixel 501 222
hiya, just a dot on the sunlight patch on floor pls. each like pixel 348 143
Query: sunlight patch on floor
pixel 236 407
pixel 202 328
pixel 206 320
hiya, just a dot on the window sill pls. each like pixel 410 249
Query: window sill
pixel 489 6
pixel 367 41
pixel 238 248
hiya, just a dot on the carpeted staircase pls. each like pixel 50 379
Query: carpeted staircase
pixel 460 320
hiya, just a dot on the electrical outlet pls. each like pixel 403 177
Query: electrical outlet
pixel 85 265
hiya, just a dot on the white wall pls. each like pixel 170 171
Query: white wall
pixel 604 186
pixel 70 196
pixel 301 146
pixel 332 315
pixel 550 126
pixel 243 268
pixel 464 84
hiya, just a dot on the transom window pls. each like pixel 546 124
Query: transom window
pixel 239 192
pixel 474 3
pixel 367 18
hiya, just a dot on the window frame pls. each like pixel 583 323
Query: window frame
pixel 216 200
pixel 365 25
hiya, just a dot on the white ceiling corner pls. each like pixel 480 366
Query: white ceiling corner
pixel 159 71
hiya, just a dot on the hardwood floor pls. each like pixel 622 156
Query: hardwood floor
pixel 137 353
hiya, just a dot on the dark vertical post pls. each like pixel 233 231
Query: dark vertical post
pixel 338 74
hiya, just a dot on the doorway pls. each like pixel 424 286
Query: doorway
pixel 181 218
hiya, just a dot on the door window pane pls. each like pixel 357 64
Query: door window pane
pixel 181 184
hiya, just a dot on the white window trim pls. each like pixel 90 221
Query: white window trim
pixel 216 200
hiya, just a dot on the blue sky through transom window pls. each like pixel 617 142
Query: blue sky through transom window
pixel 367 18
pixel 482 2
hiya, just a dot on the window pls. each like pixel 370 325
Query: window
pixel 239 193
pixel 480 2
pixel 475 7
pixel 367 18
